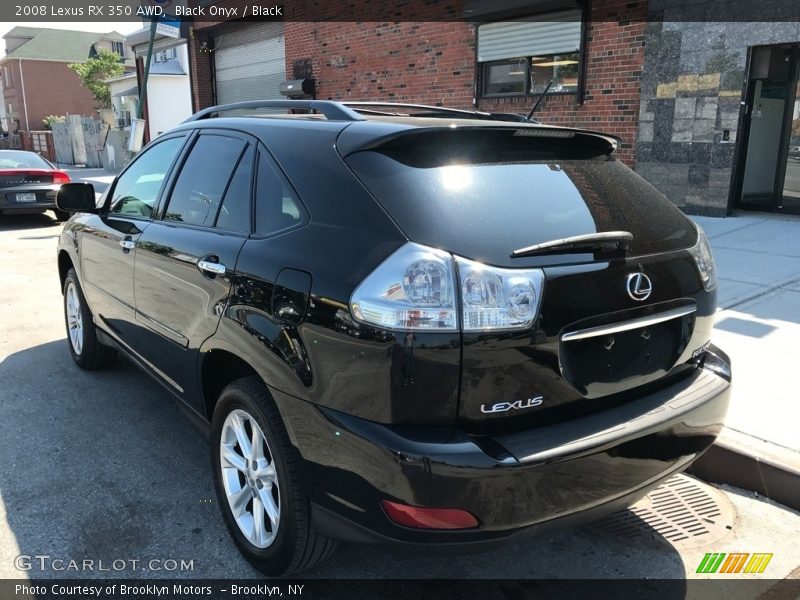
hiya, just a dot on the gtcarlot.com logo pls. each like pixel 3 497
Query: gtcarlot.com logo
pixel 45 562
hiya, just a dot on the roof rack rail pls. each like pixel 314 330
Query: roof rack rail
pixel 361 106
pixel 421 107
pixel 334 111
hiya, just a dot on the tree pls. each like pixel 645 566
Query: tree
pixel 95 71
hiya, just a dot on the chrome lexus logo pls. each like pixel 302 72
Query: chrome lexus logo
pixel 516 405
pixel 639 286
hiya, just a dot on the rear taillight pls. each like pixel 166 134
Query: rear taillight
pixel 493 298
pixel 412 290
pixel 420 517
pixel 704 259
pixel 60 177
pixel 415 290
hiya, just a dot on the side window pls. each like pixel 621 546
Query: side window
pixel 234 214
pixel 205 175
pixel 136 190
pixel 277 207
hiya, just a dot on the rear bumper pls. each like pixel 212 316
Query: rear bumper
pixel 513 484
pixel 45 199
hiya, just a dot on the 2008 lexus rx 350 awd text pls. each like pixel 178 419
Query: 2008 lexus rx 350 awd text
pixel 401 324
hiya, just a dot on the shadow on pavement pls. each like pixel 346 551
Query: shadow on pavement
pixel 104 466
pixel 10 222
pixel 744 327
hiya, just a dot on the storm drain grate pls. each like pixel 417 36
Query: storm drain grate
pixel 684 512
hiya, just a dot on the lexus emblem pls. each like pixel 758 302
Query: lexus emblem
pixel 639 286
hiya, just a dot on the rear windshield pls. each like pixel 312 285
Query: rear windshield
pixel 484 211
pixel 22 160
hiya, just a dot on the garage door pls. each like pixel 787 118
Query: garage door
pixel 250 62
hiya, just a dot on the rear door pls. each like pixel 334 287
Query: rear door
pixel 186 259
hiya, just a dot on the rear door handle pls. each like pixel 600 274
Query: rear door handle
pixel 212 268
pixel 127 244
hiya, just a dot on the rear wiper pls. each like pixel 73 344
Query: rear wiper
pixel 608 241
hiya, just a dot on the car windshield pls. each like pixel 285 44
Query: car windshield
pixel 22 160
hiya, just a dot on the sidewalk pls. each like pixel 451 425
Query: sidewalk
pixel 758 325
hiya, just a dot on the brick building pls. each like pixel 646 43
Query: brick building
pixel 659 75
pixel 435 62
pixel 36 79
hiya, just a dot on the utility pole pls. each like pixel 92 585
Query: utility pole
pixel 143 90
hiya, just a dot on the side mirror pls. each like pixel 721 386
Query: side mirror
pixel 76 197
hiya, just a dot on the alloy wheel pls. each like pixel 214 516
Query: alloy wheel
pixel 74 318
pixel 250 478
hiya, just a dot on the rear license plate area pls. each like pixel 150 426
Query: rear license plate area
pixel 608 364
pixel 25 198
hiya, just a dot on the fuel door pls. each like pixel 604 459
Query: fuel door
pixel 290 300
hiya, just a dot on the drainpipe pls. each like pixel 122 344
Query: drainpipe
pixel 24 99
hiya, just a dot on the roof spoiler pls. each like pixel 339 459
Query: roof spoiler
pixel 537 142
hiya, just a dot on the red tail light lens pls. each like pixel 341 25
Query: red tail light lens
pixel 60 177
pixel 419 517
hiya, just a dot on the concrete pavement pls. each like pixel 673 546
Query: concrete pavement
pixel 758 325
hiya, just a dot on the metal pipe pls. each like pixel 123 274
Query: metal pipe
pixel 24 98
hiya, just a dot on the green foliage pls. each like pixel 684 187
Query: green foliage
pixel 94 71
pixel 50 119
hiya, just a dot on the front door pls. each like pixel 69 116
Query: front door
pixel 108 242
pixel 770 178
pixel 186 258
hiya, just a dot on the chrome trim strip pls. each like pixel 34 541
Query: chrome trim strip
pixel 591 332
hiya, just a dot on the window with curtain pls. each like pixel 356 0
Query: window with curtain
pixel 520 57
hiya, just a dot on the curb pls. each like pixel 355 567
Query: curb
pixel 752 464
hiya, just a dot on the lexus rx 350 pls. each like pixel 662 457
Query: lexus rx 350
pixel 400 324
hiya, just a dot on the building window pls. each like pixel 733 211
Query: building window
pixel 119 48
pixel 165 55
pixel 519 58
pixel 8 80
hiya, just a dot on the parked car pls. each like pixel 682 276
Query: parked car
pixel 402 325
pixel 29 184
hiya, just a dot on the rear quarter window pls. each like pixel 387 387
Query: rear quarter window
pixel 277 206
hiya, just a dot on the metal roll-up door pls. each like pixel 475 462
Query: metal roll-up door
pixel 249 62
pixel 559 33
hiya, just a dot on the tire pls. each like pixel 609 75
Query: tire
pixel 61 215
pixel 86 350
pixel 291 544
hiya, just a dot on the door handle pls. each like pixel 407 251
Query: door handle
pixel 127 244
pixel 212 268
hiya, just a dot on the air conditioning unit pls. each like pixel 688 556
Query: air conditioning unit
pixel 296 88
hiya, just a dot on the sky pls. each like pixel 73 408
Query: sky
pixel 123 27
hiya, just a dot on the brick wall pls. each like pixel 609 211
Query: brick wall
pixel 200 69
pixel 614 59
pixel 425 62
pixel 51 88
pixel 434 63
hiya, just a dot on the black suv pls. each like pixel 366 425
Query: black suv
pixel 401 324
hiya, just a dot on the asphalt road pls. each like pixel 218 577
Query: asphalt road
pixel 104 466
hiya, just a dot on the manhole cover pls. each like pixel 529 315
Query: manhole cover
pixel 683 511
